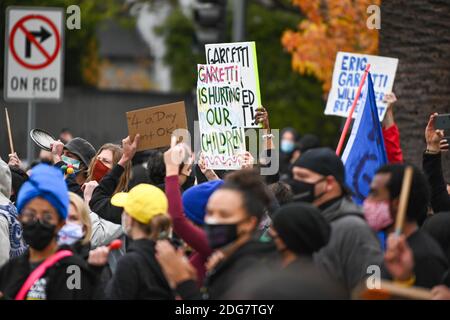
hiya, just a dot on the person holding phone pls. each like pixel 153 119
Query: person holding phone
pixel 432 166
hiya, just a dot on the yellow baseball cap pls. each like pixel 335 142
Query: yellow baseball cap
pixel 143 202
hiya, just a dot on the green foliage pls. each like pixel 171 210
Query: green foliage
pixel 76 42
pixel 292 100
pixel 179 32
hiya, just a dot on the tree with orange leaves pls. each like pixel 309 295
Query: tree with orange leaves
pixel 330 26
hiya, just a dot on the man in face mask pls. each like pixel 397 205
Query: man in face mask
pixel 42 204
pixel 380 210
pixel 73 158
pixel 318 178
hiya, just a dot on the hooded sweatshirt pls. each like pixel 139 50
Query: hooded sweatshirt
pixel 11 243
pixel 352 246
pixel 139 276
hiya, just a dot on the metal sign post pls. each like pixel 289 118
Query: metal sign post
pixel 34 57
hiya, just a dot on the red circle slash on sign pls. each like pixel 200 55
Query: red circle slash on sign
pixel 49 58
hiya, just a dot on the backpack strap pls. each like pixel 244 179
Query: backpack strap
pixel 40 271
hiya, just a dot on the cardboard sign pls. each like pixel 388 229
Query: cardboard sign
pixel 34 54
pixel 222 136
pixel 156 124
pixel 348 71
pixel 244 55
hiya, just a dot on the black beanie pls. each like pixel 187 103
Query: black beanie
pixel 302 228
pixel 82 149
pixel 323 161
pixel 308 141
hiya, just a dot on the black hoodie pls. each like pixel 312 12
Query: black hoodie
pixel 228 273
pixel 138 275
pixel 15 272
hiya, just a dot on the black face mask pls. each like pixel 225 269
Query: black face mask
pixel 38 235
pixel 219 235
pixel 304 191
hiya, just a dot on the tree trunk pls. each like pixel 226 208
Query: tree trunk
pixel 417 32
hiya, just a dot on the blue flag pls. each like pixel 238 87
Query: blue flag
pixel 365 151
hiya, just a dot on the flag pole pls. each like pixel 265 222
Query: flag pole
pixel 349 117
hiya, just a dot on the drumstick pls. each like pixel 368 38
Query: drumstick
pixel 404 197
pixel 8 125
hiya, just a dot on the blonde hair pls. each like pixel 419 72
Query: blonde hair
pixel 117 154
pixel 83 210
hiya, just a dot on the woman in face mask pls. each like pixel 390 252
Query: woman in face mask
pixel 108 174
pixel 77 230
pixel 138 275
pixel 41 272
pixel 232 217
pixel 289 138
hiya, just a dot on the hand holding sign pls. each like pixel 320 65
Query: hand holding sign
pixel 210 174
pixel 174 157
pixel 390 99
pixel 262 117
pixel 156 124
pixel 129 149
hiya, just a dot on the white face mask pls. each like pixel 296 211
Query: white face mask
pixel 70 233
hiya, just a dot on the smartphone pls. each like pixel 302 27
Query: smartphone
pixel 442 121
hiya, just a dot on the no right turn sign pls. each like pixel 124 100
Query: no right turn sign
pixel 34 53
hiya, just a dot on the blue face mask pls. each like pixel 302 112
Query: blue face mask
pixel 287 146
pixel 70 233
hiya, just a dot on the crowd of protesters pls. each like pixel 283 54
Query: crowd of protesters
pixel 188 232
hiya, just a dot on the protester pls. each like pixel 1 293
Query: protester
pixel 77 230
pixel 282 192
pixel 307 142
pixel 145 220
pixel 42 204
pixel 156 168
pixel 288 284
pixel 11 242
pixel 391 134
pixel 318 178
pixel 65 135
pixel 432 166
pixel 73 159
pixel 400 262
pixel 438 226
pixel 45 157
pixel 299 230
pixel 18 178
pixel 194 206
pixel 380 210
pixel 288 138
pixel 233 214
pixel 108 174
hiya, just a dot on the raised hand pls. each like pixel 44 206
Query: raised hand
pixel 433 137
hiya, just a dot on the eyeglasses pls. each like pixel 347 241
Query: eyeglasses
pixel 29 216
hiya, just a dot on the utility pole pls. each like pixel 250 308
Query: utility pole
pixel 239 14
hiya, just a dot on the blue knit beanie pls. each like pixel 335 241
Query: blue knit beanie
pixel 48 183
pixel 196 198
